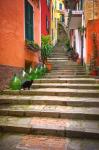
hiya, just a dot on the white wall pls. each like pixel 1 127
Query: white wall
pixel 78 42
pixel 84 40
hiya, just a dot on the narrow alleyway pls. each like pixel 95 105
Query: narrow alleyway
pixel 62 109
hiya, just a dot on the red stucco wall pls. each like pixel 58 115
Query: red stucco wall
pixel 45 11
pixel 12 33
pixel 92 27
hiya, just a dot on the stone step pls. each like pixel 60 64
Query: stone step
pixel 58 58
pixel 56 92
pixel 60 72
pixel 65 85
pixel 59 55
pixel 57 66
pixel 67 75
pixel 50 126
pixel 65 69
pixel 71 67
pixel 58 52
pixel 14 141
pixel 53 75
pixel 52 111
pixel 67 80
pixel 49 100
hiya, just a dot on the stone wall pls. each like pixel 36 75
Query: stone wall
pixel 6 73
pixel 91 9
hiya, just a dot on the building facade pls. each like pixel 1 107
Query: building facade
pixel 45 16
pixel 91 19
pixel 20 21
pixel 53 29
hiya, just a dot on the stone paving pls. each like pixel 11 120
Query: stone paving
pixel 60 112
pixel 32 142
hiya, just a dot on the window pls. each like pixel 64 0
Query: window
pixel 52 13
pixel 55 22
pixel 62 18
pixel 47 24
pixel 60 6
pixel 28 21
pixel 48 2
pixel 52 35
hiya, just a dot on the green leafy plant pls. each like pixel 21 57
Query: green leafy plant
pixel 46 39
pixel 46 48
pixel 81 29
pixel 67 43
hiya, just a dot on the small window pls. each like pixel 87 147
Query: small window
pixel 52 13
pixel 55 22
pixel 47 24
pixel 48 2
pixel 60 6
pixel 52 35
pixel 28 21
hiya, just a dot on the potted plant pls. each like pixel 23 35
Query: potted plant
pixel 46 51
pixel 81 29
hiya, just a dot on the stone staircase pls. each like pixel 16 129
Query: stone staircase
pixel 64 103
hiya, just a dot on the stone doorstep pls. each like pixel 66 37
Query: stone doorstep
pixel 51 111
pixel 65 85
pixel 56 92
pixel 49 100
pixel 50 126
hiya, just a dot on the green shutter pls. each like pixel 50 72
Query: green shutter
pixel 28 21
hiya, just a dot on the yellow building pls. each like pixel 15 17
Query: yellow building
pixel 60 10
pixel 57 9
pixel 53 22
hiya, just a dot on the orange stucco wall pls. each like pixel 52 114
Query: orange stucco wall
pixel 92 27
pixel 12 33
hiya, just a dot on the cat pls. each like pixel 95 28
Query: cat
pixel 27 84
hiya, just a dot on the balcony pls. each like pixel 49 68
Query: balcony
pixel 75 19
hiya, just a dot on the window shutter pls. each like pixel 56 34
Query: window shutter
pixel 28 21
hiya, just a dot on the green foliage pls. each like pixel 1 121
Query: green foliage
pixel 46 39
pixel 81 29
pixel 47 48
pixel 15 83
pixel 67 43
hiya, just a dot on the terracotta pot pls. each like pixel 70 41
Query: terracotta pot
pixel 78 61
pixel 49 66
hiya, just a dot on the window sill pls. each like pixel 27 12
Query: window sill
pixel 31 48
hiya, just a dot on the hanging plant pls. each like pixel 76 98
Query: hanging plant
pixel 32 46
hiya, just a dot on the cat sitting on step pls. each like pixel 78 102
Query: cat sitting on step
pixel 27 84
